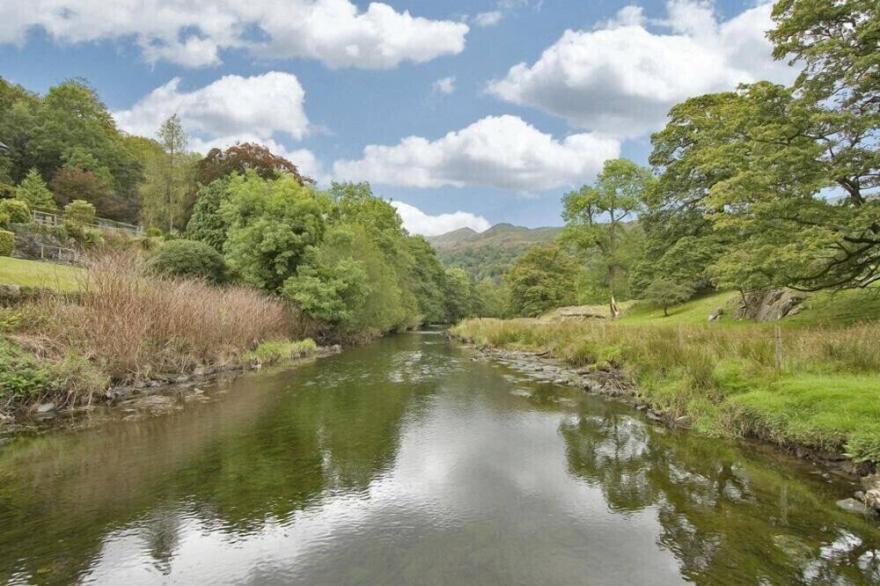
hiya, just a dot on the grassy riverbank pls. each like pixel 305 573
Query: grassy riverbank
pixel 814 386
pixel 125 327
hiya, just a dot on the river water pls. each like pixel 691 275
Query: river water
pixel 409 462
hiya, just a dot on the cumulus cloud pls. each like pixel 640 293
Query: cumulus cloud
pixel 621 78
pixel 192 32
pixel 418 222
pixel 503 152
pixel 262 106
pixel 260 109
pixel 444 86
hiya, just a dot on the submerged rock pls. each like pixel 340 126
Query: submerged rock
pixel 851 505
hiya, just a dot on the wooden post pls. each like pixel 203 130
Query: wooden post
pixel 778 335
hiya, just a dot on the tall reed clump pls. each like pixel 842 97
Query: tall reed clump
pixel 811 386
pixel 133 326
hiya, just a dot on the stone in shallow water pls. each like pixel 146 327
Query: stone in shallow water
pixel 853 506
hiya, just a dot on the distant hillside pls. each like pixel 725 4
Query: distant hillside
pixel 489 253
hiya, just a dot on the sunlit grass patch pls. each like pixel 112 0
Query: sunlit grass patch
pixel 33 273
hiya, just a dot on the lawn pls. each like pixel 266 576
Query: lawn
pixel 33 273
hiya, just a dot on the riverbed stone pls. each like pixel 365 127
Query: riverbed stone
pixel 851 505
pixel 45 408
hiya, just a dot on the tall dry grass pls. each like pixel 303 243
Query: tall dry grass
pixel 133 326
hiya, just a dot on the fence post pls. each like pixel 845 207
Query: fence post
pixel 778 335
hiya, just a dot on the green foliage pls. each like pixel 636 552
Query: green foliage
pixel 459 295
pixel 189 258
pixel 17 210
pixel 207 224
pixel 272 224
pixel 7 242
pixel 22 377
pixel 34 192
pixel 79 212
pixel 543 278
pixel 597 218
pixel 665 292
pixel 276 351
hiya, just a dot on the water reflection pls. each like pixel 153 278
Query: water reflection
pixel 726 517
pixel 408 462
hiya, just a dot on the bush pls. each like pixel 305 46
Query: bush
pixel 274 351
pixel 79 212
pixel 21 375
pixel 188 258
pixel 7 242
pixel 4 219
pixel 18 210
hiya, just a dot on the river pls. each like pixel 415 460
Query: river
pixel 407 461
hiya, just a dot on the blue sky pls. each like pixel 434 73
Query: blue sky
pixel 469 113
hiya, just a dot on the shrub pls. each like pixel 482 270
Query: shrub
pixel 189 258
pixel 7 242
pixel 274 351
pixel 4 219
pixel 18 210
pixel 21 375
pixel 79 212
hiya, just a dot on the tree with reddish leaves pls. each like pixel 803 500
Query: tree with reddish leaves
pixel 241 157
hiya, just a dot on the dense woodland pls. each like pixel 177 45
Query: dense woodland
pixel 765 186
pixel 239 215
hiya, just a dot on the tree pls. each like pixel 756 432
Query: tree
pixel 459 295
pixel 542 279
pixel 79 212
pixel 664 292
pixel 596 219
pixel 73 183
pixel 34 192
pixel 758 166
pixel 173 139
pixel 272 224
pixel 240 158
pixel 207 224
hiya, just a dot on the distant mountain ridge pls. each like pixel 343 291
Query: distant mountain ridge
pixel 491 253
pixel 504 235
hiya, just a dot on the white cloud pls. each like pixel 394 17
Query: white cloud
pixel 487 19
pixel 261 106
pixel 418 222
pixel 260 109
pixel 192 32
pixel 621 78
pixel 444 86
pixel 497 151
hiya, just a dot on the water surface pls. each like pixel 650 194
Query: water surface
pixel 407 461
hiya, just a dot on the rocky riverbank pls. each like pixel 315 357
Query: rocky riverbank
pixel 613 383
pixel 157 395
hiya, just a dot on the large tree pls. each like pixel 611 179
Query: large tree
pixel 240 158
pixel 543 278
pixel 598 220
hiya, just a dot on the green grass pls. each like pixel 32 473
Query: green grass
pixel 695 311
pixel 277 351
pixel 818 388
pixel 828 411
pixel 32 273
pixel 839 308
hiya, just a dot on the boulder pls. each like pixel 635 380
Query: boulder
pixel 768 304
pixel 851 505
pixel 716 315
